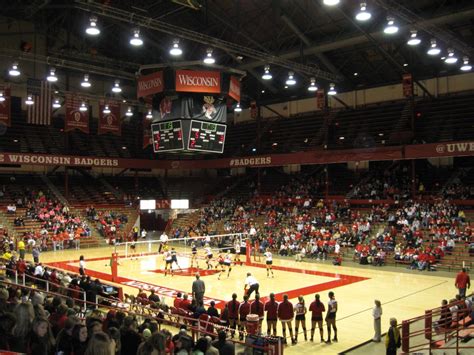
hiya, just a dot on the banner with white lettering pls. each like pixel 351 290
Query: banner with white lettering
pixel 5 106
pixel 193 106
pixel 234 88
pixel 146 132
pixel 150 84
pixel 445 149
pixel 109 117
pixel 75 118
pixel 320 99
pixel 198 81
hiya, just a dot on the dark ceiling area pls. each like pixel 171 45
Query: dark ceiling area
pixel 304 36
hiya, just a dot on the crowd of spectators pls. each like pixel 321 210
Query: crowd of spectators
pixel 109 223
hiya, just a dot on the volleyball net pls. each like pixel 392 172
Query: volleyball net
pixel 219 244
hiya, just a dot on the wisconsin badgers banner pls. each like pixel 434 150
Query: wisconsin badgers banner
pixel 146 132
pixel 205 108
pixel 110 122
pixel 407 84
pixel 320 99
pixel 5 115
pixel 198 81
pixel 75 119
pixel 234 88
pixel 150 84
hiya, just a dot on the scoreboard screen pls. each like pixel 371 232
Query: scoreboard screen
pixel 207 136
pixel 167 136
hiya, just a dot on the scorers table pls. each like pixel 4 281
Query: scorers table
pixel 188 135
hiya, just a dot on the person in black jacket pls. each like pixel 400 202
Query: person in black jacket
pixel 393 338
pixel 130 338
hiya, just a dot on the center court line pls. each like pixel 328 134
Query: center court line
pixel 391 301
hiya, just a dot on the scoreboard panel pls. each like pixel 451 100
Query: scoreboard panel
pixel 167 136
pixel 206 136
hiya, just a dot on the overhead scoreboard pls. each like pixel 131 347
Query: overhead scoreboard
pixel 188 136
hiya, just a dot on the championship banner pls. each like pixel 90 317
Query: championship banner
pixel 199 107
pixel 5 107
pixel 253 109
pixel 234 88
pixel 320 99
pixel 198 81
pixel 75 119
pixel 407 85
pixel 110 122
pixel 147 138
pixel 150 84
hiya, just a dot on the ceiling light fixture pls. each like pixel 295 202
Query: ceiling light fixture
pixel 52 76
pixel 331 2
pixel 332 89
pixel 29 100
pixel 434 50
pixel 106 110
pixel 267 75
pixel 85 82
pixel 136 40
pixel 129 112
pixel 209 59
pixel 291 79
pixel 149 115
pixel 238 108
pixel 363 14
pixel 2 97
pixel 466 66
pixel 14 71
pixel 391 28
pixel 175 50
pixel 93 30
pixel 413 40
pixel 83 107
pixel 451 58
pixel 312 86
pixel 56 103
pixel 116 88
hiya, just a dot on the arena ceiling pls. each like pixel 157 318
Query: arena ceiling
pixel 305 36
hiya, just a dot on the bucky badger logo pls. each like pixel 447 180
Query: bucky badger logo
pixel 208 108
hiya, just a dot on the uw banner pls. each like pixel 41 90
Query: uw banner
pixel 110 122
pixel 5 106
pixel 75 118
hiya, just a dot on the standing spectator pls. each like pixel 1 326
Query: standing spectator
pixel 224 346
pixel 130 338
pixel 377 314
pixel 198 290
pixel 463 282
pixel 36 254
pixel 286 314
pixel 21 249
pixel 393 338
pixel 82 266
pixel 317 309
pixel 40 338
pixel 79 339
pixel 331 317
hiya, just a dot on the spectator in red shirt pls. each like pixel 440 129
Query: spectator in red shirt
pixel 177 300
pixel 233 307
pixel 463 282
pixel 185 303
pixel 271 307
pixel 317 309
pixel 286 314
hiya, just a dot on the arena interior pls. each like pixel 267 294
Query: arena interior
pixel 313 156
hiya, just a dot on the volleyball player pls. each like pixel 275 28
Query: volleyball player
pixel 233 307
pixel 208 251
pixel 331 317
pixel 174 259
pixel 220 264
pixel 237 252
pixel 317 309
pixel 132 248
pixel 244 309
pixel 228 262
pixel 194 255
pixel 168 262
pixel 300 317
pixel 269 262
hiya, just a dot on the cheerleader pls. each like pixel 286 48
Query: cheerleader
pixel 168 262
pixel 208 252
pixel 300 317
pixel 237 253
pixel 269 262
pixel 194 255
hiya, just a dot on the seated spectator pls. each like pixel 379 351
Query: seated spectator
pixel 224 346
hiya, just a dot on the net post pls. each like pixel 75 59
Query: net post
pixel 113 266
pixel 248 259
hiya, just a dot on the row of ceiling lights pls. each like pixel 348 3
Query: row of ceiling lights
pixel 391 28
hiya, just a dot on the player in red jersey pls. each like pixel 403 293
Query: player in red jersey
pixel 257 307
pixel 244 309
pixel 271 307
pixel 286 314
pixel 317 309
pixel 233 308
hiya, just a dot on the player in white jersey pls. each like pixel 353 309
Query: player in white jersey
pixel 168 262
pixel 269 262
pixel 227 264
pixel 237 252
pixel 208 252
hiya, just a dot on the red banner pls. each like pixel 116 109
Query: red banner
pixel 110 122
pixel 445 149
pixel 253 109
pixel 407 85
pixel 198 81
pixel 234 88
pixel 76 119
pixel 150 84
pixel 320 99
pixel 5 112
pixel 146 132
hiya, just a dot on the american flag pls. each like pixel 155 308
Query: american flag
pixel 40 112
